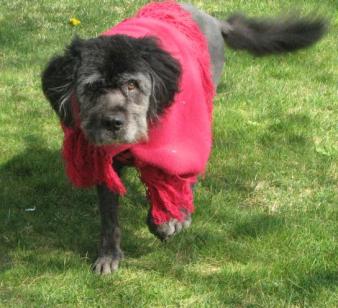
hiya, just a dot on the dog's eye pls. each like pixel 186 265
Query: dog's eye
pixel 131 85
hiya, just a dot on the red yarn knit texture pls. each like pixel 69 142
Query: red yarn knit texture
pixel 179 144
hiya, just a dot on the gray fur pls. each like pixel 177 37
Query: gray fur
pixel 133 104
pixel 170 228
pixel 212 29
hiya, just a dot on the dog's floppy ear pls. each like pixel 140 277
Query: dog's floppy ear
pixel 165 72
pixel 58 80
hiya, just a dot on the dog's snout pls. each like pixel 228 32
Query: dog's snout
pixel 114 122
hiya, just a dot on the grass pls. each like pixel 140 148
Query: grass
pixel 265 228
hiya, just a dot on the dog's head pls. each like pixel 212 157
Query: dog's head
pixel 121 84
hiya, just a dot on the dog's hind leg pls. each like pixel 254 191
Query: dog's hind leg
pixel 110 252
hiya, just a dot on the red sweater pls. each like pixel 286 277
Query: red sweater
pixel 179 143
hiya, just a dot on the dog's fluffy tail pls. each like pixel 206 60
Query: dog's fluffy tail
pixel 270 36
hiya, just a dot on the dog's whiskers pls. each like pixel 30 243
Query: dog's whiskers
pixel 63 101
pixel 56 89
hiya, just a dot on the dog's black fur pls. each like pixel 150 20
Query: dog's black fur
pixel 112 57
pixel 128 81
pixel 268 36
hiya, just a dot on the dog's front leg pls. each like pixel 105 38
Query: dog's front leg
pixel 110 252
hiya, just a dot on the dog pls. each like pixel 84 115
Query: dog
pixel 116 91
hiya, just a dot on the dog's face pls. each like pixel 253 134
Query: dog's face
pixel 120 83
pixel 113 88
pixel 117 112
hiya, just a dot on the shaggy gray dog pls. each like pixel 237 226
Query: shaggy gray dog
pixel 122 84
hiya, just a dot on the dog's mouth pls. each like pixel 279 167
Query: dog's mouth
pixel 102 137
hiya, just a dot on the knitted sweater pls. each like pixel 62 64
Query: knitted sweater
pixel 179 143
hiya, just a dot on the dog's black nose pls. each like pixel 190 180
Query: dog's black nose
pixel 114 122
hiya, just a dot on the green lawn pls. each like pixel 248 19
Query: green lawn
pixel 265 229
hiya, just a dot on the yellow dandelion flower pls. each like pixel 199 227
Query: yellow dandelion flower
pixel 74 22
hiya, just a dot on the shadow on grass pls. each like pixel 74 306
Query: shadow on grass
pixel 61 227
pixel 41 211
pixel 257 225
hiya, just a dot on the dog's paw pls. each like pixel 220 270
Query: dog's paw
pixel 106 265
pixel 170 228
